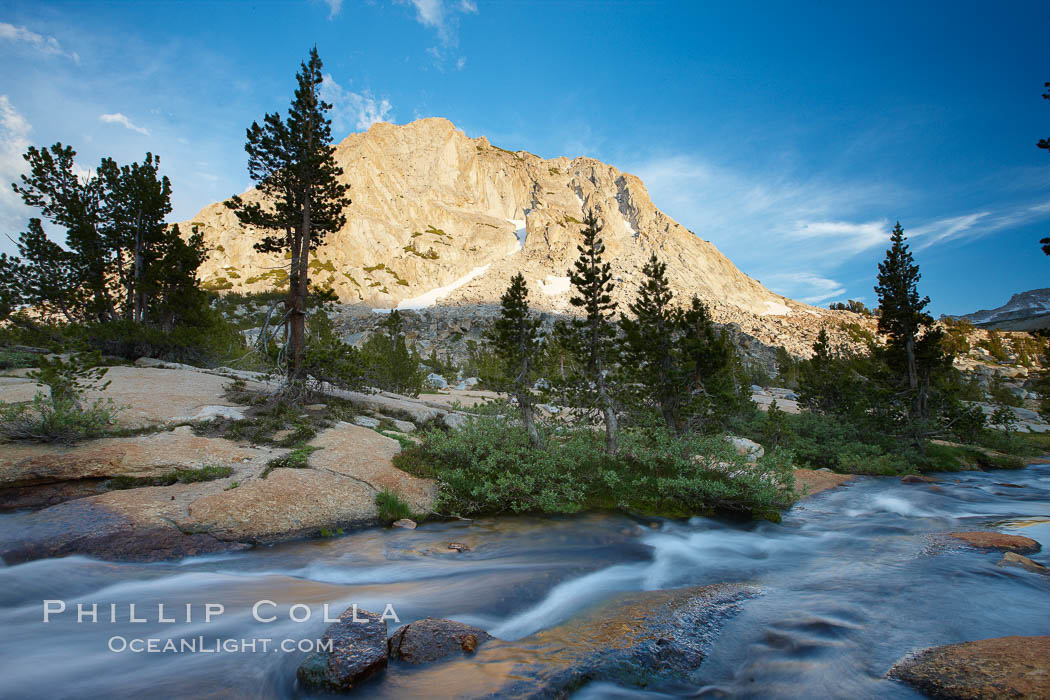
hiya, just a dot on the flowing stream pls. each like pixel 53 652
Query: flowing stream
pixel 852 580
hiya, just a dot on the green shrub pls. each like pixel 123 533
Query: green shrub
pixel 209 342
pixel 391 507
pixel 61 415
pixel 487 467
pixel 994 345
pixel 45 421
pixel 13 359
pixel 388 362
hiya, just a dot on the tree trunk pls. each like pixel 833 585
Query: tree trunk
pixel 301 283
pixel 136 314
pixel 667 389
pixel 528 417
pixel 612 447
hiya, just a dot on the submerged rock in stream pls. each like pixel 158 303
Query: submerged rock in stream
pixel 1014 559
pixel 358 652
pixel 429 639
pixel 633 639
pixel 997 541
pixel 1005 667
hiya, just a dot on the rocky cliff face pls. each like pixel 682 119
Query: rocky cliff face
pixel 1025 311
pixel 440 218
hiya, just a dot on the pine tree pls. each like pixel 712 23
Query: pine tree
pixel 121 260
pixel 818 385
pixel 67 201
pixel 650 337
pixel 913 348
pixel 710 363
pixel 1045 144
pixel 514 338
pixel 390 365
pixel 292 160
pixel 592 339
pixel 136 200
pixel 45 277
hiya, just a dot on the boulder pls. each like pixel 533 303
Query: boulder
pixel 287 503
pixel 747 448
pixel 455 421
pixel 1014 559
pixel 406 523
pixel 997 541
pixel 392 405
pixel 437 381
pixel 366 421
pixel 21 389
pixel 1004 667
pixel 1026 414
pixel 359 652
pixel 155 396
pixel 431 639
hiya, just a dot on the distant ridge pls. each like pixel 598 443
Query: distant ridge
pixel 1025 311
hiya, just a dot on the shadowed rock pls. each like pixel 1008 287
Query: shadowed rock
pixel 429 639
pixel 358 653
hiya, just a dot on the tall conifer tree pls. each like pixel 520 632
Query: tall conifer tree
pixel 592 339
pixel 514 338
pixel 650 337
pixel 913 349
pixel 292 160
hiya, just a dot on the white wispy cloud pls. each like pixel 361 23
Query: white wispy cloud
pixel 443 17
pixel 841 238
pixel 751 216
pixel 805 286
pixel 118 118
pixel 14 140
pixel 975 224
pixel 334 7
pixel 353 110
pixel 45 44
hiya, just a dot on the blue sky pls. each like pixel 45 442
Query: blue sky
pixel 792 135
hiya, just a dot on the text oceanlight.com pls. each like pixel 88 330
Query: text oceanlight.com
pixel 204 645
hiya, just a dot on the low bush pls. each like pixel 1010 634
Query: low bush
pixel 391 507
pixel 210 342
pixel 60 415
pixel 45 421
pixel 488 467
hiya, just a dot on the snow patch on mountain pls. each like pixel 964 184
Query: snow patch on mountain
pixel 519 233
pixel 776 309
pixel 554 285
pixel 425 301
